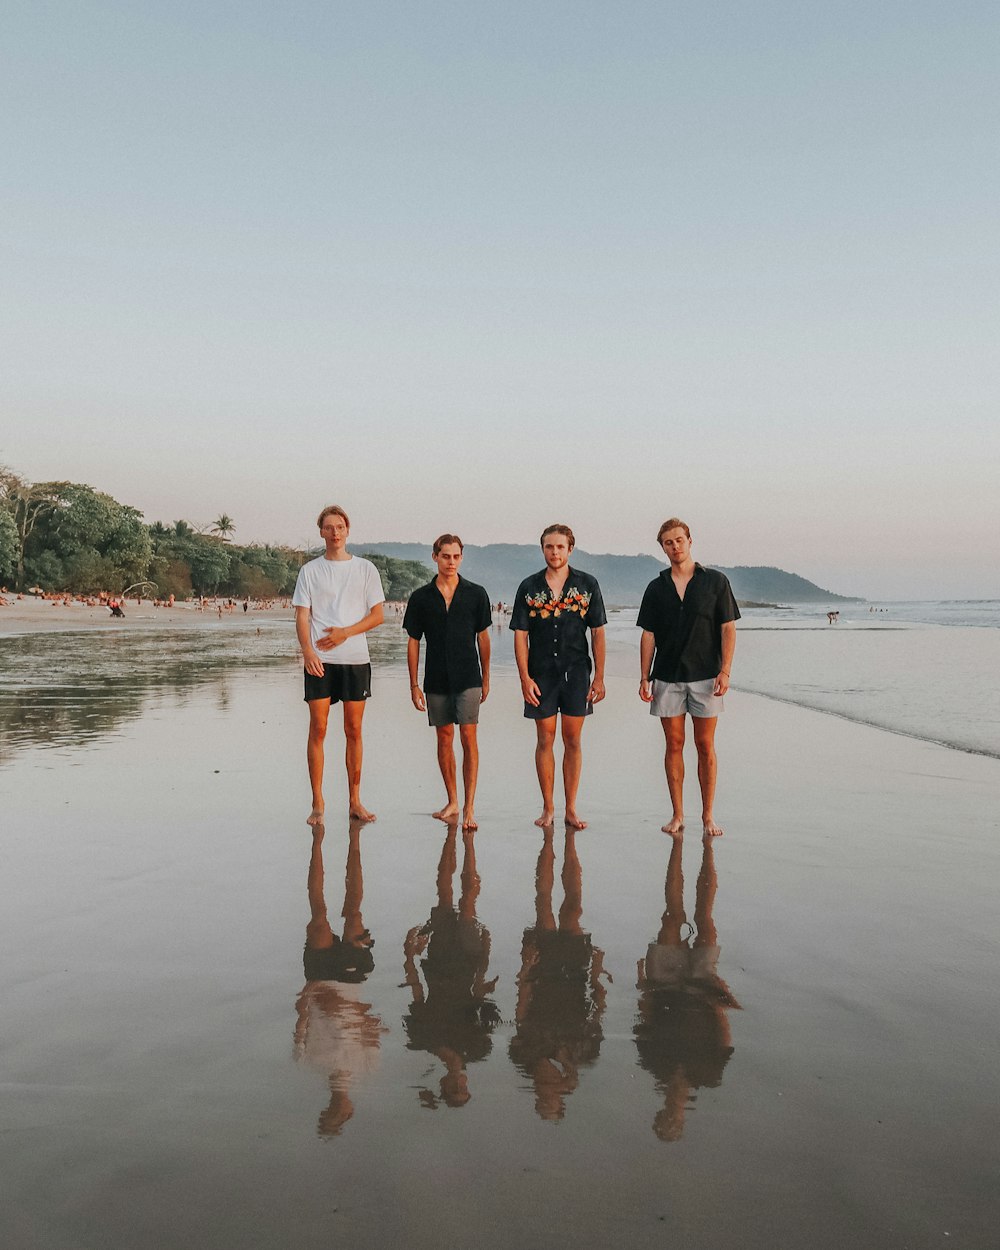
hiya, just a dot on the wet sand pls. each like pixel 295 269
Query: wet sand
pixel 790 1044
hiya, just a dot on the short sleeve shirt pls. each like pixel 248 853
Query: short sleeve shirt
pixel 338 593
pixel 452 661
pixel 557 626
pixel 688 631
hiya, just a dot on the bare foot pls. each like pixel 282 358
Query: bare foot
pixel 359 812
pixel 712 830
pixel 573 821
pixel 676 825
pixel 469 819
pixel 546 818
pixel 315 817
pixel 449 814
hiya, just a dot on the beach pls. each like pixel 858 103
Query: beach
pixel 816 1071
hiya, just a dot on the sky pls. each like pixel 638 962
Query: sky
pixel 479 268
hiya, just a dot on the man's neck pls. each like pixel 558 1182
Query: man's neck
pixel 446 583
pixel 682 572
pixel 556 577
pixel 337 554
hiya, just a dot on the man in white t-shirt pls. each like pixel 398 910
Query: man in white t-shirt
pixel 338 598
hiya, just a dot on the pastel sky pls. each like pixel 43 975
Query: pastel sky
pixel 482 267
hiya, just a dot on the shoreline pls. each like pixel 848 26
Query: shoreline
pixel 31 615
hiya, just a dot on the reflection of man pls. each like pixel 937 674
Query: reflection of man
pixel 560 998
pixel 336 1031
pixel 682 1031
pixel 553 610
pixel 454 616
pixel 688 621
pixel 338 598
pixel 454 1016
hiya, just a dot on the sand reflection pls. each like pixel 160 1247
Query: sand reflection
pixel 682 1028
pixel 336 1031
pixel 446 963
pixel 560 996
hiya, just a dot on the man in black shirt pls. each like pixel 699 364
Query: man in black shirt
pixel 688 621
pixel 455 617
pixel 553 610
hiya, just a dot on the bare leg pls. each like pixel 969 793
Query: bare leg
pixel 673 764
pixel 446 762
pixel 572 728
pixel 470 773
pixel 545 767
pixel 704 738
pixel 354 710
pixel 319 713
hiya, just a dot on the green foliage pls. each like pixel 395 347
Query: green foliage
pixel 399 577
pixel 8 547
pixel 85 541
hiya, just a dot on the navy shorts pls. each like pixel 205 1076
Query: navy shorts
pixel 340 683
pixel 566 693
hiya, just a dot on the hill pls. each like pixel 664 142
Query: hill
pixel 500 566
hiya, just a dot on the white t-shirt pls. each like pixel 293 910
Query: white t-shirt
pixel 339 593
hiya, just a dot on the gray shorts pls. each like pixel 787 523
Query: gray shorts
pixel 674 698
pixel 454 709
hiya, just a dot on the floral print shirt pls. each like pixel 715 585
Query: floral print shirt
pixel 557 624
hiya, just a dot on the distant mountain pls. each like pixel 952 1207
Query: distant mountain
pixel 501 566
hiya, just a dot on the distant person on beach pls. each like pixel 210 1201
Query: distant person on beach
pixel 338 598
pixel 688 621
pixel 553 609
pixel 454 616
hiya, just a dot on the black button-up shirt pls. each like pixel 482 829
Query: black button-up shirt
pixel 688 631
pixel 557 626
pixel 452 661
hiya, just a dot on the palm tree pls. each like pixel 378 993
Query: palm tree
pixel 223 526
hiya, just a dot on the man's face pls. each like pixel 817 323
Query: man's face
pixel 676 545
pixel 334 531
pixel 448 559
pixel 556 549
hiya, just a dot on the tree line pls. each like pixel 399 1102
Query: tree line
pixel 66 536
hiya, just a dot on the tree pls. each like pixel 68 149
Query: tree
pixel 8 546
pixel 223 526
pixel 27 503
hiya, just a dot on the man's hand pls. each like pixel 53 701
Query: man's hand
pixel 486 688
pixel 531 692
pixel 417 695
pixel 721 683
pixel 313 663
pixel 596 692
pixel 645 690
pixel 332 637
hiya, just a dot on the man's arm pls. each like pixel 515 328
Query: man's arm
pixel 310 659
pixel 599 647
pixel 529 689
pixel 647 646
pixel 728 651
pixel 337 634
pixel 483 642
pixel 412 660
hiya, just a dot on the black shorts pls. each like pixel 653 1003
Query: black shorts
pixel 566 693
pixel 340 683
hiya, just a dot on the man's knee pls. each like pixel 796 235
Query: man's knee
pixel 673 733
pixel 445 735
pixel 467 734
